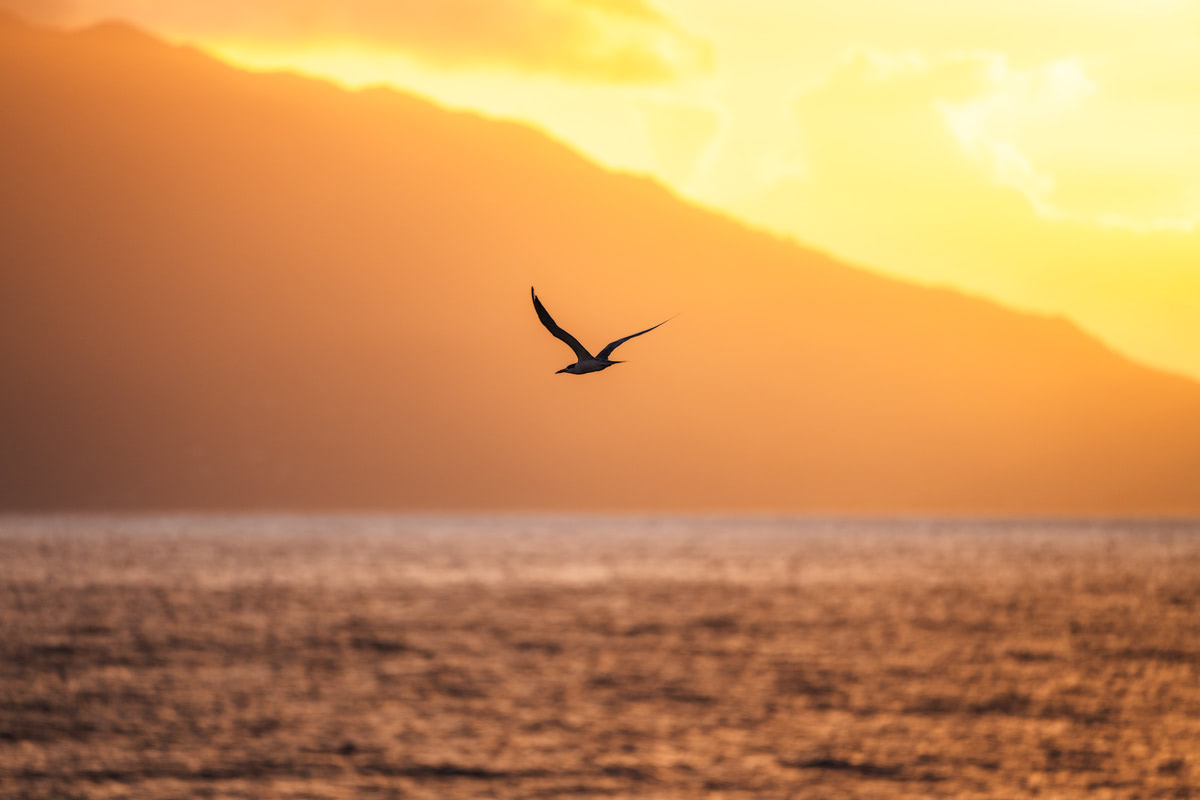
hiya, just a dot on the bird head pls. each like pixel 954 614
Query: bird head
pixel 567 368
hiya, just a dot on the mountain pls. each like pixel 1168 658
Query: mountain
pixel 227 290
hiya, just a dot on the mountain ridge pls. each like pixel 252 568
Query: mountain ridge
pixel 255 290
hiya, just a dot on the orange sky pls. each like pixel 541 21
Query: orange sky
pixel 1041 152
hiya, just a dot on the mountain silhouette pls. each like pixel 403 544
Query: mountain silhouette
pixel 231 290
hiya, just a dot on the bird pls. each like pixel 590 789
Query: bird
pixel 586 361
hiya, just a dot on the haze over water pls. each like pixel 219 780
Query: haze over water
pixel 586 656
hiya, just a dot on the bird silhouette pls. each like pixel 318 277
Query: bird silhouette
pixel 586 362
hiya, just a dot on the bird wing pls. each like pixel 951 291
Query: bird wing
pixel 580 351
pixel 607 351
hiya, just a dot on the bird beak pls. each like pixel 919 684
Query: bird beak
pixel 561 370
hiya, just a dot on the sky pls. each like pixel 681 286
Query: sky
pixel 1038 152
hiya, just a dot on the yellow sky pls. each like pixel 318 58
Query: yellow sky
pixel 1042 152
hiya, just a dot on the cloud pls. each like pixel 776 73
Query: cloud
pixel 618 41
pixel 879 114
pixel 1072 147
pixel 952 171
pixel 1049 114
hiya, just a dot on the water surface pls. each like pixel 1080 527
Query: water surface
pixel 572 656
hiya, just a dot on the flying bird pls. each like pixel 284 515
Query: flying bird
pixel 586 361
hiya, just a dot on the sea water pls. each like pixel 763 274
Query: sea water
pixel 586 656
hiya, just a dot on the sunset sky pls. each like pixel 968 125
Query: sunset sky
pixel 1041 152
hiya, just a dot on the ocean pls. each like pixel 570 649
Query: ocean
pixel 589 656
